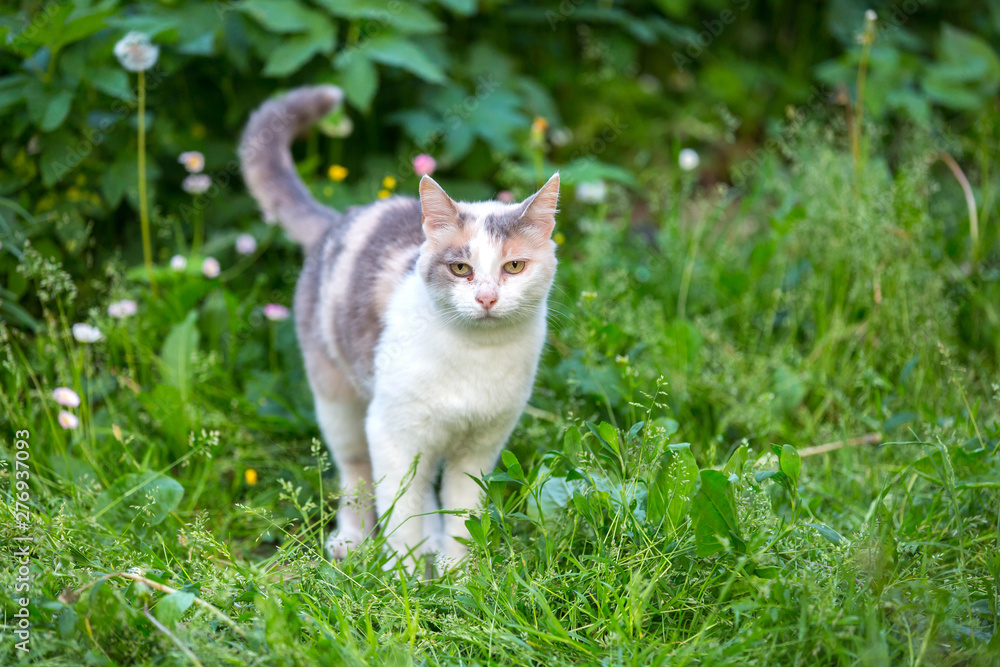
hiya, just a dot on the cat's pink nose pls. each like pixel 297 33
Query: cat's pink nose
pixel 486 296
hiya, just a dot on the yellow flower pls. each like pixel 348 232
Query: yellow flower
pixel 382 194
pixel 559 238
pixel 539 125
pixel 337 173
pixel 250 475
pixel 389 183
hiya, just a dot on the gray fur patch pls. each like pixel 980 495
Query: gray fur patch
pixel 359 319
pixel 509 223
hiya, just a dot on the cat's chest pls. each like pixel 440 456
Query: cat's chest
pixel 456 375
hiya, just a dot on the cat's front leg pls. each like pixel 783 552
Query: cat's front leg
pixel 460 492
pixel 404 469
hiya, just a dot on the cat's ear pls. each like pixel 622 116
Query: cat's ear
pixel 440 215
pixel 540 208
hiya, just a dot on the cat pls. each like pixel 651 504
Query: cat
pixel 421 323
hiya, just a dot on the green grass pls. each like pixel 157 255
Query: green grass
pixel 813 304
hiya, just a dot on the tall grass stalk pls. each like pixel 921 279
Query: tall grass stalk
pixel 147 245
pixel 856 127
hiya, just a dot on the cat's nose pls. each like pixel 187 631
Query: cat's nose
pixel 486 296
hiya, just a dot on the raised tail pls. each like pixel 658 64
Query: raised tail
pixel 268 168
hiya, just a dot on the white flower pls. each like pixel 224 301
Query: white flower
pixel 66 397
pixel 870 15
pixel 561 136
pixel 135 52
pixel 592 192
pixel 86 333
pixel 195 184
pixel 122 309
pixel 68 420
pixel 178 262
pixel 210 267
pixel 688 159
pixel 246 244
pixel 276 312
pixel 193 161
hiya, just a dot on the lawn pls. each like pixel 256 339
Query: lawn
pixel 765 429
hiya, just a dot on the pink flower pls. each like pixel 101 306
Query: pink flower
pixel 66 397
pixel 246 244
pixel 506 196
pixel 210 267
pixel 68 420
pixel 196 184
pixel 276 312
pixel 122 309
pixel 424 164
pixel 193 161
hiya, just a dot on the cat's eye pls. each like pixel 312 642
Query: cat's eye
pixel 460 269
pixel 515 266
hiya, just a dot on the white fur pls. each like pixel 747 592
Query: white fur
pixel 451 379
pixel 450 396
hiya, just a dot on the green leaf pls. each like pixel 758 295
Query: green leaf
pixel 406 17
pixel 296 51
pixel 791 464
pixel 148 497
pixel 359 79
pixel 56 110
pixel 587 169
pixel 171 608
pixel 609 434
pixel 282 16
pixel 12 90
pixel 67 622
pixel 120 176
pixel 572 441
pixel 476 532
pixel 736 462
pixel 175 357
pixel 714 514
pixel 463 7
pixel 513 467
pixel 829 533
pixel 112 81
pixel 398 52
pixel 87 23
pixel 669 496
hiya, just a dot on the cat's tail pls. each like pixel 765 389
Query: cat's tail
pixel 269 170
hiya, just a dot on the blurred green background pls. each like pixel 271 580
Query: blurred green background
pixel 813 272
pixel 619 83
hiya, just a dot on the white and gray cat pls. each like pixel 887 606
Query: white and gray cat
pixel 421 323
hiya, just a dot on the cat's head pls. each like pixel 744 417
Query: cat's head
pixel 488 263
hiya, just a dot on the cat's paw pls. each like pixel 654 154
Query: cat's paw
pixel 340 542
